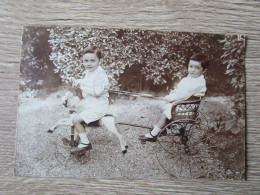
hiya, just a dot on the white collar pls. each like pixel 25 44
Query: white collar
pixel 200 77
pixel 99 69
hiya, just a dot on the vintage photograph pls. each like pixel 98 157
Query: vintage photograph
pixel 131 104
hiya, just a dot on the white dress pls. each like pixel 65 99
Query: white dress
pixel 187 87
pixel 94 88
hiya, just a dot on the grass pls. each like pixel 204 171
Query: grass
pixel 35 149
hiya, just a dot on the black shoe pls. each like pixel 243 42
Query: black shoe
pixel 80 150
pixel 148 139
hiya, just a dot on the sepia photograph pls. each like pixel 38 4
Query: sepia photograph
pixel 131 104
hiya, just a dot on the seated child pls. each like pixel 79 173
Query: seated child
pixel 94 88
pixel 191 87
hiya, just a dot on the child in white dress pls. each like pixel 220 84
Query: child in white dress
pixel 94 88
pixel 190 88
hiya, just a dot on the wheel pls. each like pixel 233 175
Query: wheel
pixel 83 157
pixel 184 152
pixel 209 136
pixel 63 147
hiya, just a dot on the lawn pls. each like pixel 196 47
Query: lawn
pixel 36 154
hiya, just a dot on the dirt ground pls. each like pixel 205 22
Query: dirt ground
pixel 37 154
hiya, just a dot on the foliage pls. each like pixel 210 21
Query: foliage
pixel 159 56
pixel 135 60
pixel 234 59
pixel 28 94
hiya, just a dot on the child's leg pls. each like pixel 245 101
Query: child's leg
pixel 84 140
pixel 158 126
pixel 77 120
pixel 162 121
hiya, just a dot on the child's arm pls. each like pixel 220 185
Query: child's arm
pixel 179 95
pixel 100 86
pixel 185 90
pixel 76 82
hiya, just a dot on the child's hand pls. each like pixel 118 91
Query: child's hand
pixel 73 81
pixel 167 98
pixel 77 83
pixel 89 90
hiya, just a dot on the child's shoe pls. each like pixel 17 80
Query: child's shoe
pixel 145 139
pixel 81 148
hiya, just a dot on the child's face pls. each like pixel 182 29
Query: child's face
pixel 90 62
pixel 195 69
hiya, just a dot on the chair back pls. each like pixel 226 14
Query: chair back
pixel 185 111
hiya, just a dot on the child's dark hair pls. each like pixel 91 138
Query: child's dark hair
pixel 94 50
pixel 202 59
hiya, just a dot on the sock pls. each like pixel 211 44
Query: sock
pixel 154 132
pixel 84 140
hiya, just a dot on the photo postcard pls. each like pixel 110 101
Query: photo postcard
pixel 130 104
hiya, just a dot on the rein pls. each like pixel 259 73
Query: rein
pixel 136 94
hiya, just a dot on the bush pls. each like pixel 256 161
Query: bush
pixel 157 58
